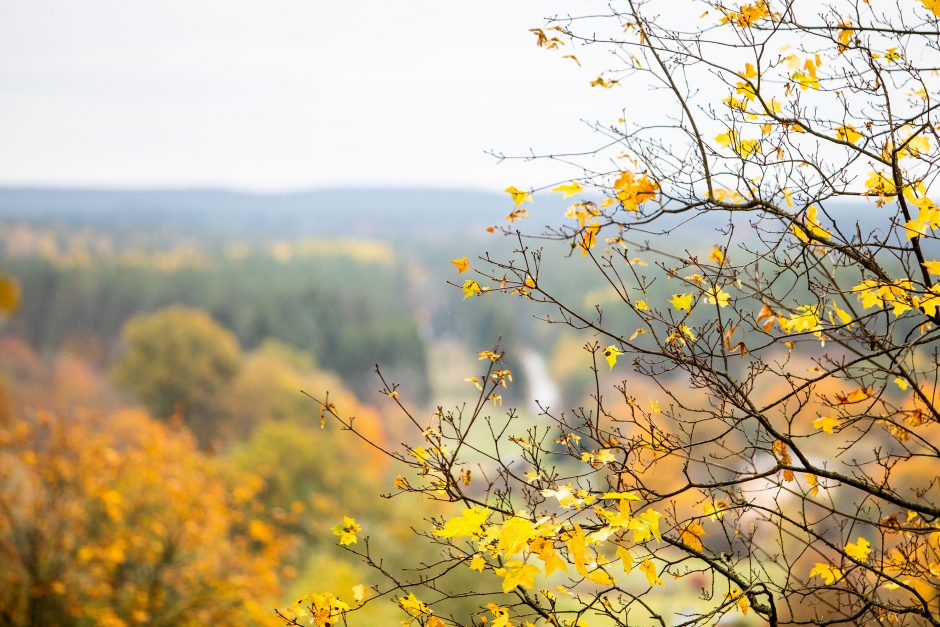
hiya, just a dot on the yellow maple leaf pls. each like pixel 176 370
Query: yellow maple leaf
pixel 461 264
pixel 847 133
pixel 471 287
pixel 467 524
pixel 568 190
pixel 716 509
pixel 681 301
pixel 347 531
pixel 892 55
pixel 517 573
pixel 749 71
pixel 633 191
pixel 717 295
pixel 646 526
pixel 500 615
pixel 812 226
pixel 518 196
pixel 813 482
pixel 545 550
pixel 649 569
pixel 642 306
pixel 412 605
pixel 858 550
pixel 600 81
pixel 829 573
pixel 826 423
pixel 844 316
pixel 626 558
pixel 692 534
pixel 718 256
pixel 855 396
pixel 845 35
pixel 933 267
pixel 610 354
pixel 477 563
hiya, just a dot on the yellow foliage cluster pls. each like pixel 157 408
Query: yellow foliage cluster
pixel 119 520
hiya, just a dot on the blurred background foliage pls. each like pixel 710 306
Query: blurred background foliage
pixel 158 461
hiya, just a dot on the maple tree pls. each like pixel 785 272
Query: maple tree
pixel 763 426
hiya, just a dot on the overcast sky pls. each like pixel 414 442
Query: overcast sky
pixel 285 94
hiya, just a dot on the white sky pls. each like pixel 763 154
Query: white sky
pixel 286 94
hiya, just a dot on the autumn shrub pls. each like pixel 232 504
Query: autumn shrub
pixel 119 519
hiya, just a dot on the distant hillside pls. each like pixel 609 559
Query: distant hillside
pixel 368 212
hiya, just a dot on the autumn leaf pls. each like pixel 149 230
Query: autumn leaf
pixel 844 36
pixel 517 573
pixel 813 482
pixel 518 196
pixel 847 133
pixel 692 534
pixel 859 550
pixel 600 81
pixel 413 606
pixel 829 573
pixel 471 287
pixel 933 267
pixel 494 357
pixel 855 396
pixel 347 531
pixel 467 524
pixel 610 354
pixel 766 318
pixel 716 509
pixel 568 190
pixel 682 302
pixel 620 496
pixel 826 424
pixel 718 256
pixel 813 227
pixel 633 191
pixel 649 569
pixel 461 264
pixel 717 295
pixel 517 214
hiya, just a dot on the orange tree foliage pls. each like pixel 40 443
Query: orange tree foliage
pixel 763 435
pixel 120 520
